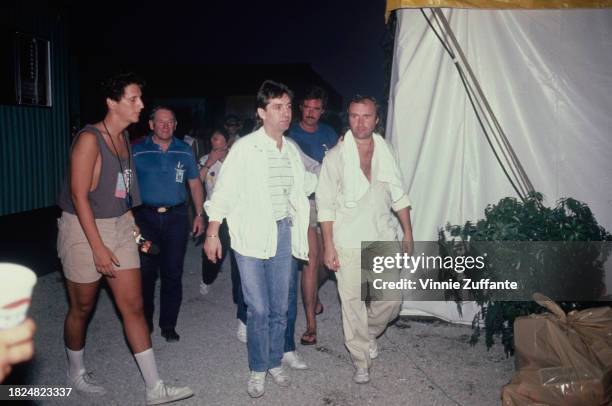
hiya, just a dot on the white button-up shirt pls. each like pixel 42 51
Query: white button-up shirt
pixel 370 220
pixel 242 196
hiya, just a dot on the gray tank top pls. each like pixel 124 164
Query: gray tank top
pixel 108 199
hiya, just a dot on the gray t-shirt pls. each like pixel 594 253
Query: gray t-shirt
pixel 109 198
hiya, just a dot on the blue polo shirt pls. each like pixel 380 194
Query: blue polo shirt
pixel 315 144
pixel 162 176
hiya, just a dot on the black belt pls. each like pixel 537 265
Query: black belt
pixel 164 209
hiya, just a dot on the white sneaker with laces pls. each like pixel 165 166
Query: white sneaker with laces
pixel 293 360
pixel 256 384
pixel 204 289
pixel 362 375
pixel 163 393
pixel 241 333
pixel 373 348
pixel 85 383
pixel 280 376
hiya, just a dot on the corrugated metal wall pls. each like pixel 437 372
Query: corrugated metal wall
pixel 34 141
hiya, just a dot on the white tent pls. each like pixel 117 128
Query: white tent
pixel 547 74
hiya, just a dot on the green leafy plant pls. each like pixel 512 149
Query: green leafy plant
pixel 568 224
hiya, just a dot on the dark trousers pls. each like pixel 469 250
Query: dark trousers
pixel 169 231
pixel 292 307
pixel 210 271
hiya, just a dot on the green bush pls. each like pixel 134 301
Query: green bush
pixel 516 220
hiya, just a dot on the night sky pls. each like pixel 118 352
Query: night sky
pixel 341 40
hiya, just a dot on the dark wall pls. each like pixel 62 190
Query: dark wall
pixel 34 140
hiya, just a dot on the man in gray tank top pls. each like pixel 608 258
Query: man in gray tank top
pixel 96 238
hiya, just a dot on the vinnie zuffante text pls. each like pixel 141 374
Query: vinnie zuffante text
pixel 423 262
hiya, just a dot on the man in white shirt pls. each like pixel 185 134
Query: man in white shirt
pixel 262 191
pixel 359 185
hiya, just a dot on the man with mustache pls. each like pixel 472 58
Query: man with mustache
pixel 315 139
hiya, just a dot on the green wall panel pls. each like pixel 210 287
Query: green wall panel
pixel 34 141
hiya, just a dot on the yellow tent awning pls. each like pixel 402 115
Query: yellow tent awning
pixel 496 4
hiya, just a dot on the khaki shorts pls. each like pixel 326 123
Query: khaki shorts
pixel 75 252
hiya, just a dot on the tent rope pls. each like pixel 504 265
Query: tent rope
pixel 484 114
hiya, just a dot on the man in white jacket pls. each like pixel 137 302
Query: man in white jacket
pixel 359 187
pixel 262 191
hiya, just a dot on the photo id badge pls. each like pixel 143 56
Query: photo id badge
pixel 180 173
pixel 120 188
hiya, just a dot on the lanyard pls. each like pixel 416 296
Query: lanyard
pixel 126 181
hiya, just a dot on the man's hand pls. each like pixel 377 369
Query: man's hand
pixel 408 241
pixel 198 226
pixel 408 244
pixel 330 257
pixel 16 345
pixel 212 248
pixel 105 261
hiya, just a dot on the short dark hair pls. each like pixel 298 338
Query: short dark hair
pixel 316 92
pixel 271 90
pixel 221 131
pixel 158 108
pixel 114 86
pixel 233 118
pixel 358 98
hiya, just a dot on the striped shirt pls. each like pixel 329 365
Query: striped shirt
pixel 280 180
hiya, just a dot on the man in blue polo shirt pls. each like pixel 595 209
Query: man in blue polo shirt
pixel 315 139
pixel 164 165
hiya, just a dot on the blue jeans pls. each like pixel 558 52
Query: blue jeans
pixel 241 308
pixel 265 284
pixel 237 295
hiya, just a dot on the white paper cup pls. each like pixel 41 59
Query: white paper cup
pixel 16 284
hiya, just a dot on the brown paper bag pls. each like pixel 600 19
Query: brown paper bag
pixel 562 359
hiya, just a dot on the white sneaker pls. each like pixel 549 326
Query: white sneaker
pixel 294 361
pixel 256 384
pixel 85 383
pixel 373 348
pixel 280 376
pixel 204 289
pixel 163 393
pixel 361 375
pixel 241 333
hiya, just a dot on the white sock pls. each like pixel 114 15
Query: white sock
pixel 76 365
pixel 148 367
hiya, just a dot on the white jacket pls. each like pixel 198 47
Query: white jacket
pixel 241 196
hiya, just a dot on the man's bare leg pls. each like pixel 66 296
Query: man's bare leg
pixel 310 285
pixel 126 287
pixel 82 297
